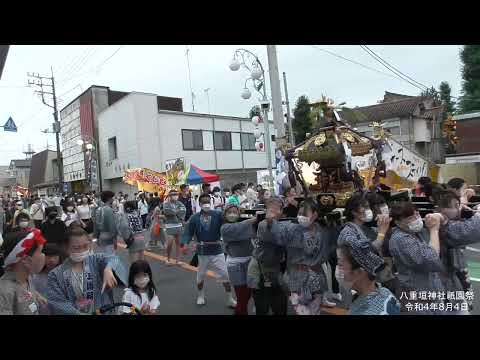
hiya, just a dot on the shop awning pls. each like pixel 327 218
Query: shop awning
pixel 198 176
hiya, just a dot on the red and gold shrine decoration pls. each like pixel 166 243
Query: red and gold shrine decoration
pixel 146 180
pixel 449 132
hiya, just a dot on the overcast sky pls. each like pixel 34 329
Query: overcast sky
pixel 163 70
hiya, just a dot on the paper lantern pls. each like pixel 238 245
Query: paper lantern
pixel 246 94
pixel 257 133
pixel 256 73
pixel 259 146
pixel 234 64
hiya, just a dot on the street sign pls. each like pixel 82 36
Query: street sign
pixel 10 125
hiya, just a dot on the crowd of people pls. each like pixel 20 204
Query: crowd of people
pixel 59 254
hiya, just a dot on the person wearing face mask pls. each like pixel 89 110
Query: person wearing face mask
pixel 70 215
pixel 307 247
pixel 105 224
pixel 358 213
pixel 83 283
pixel 416 255
pixel 459 187
pixel 142 207
pixel 359 265
pixel 185 198
pixel 206 189
pixel 131 230
pixel 237 236
pixel 174 212
pixel 53 229
pixel 236 197
pixel 23 222
pixel 263 196
pixel 53 258
pixel 218 200
pixel 84 211
pixel 205 226
pixel 37 212
pixel 379 206
pixel 264 275
pixel 23 257
pixel 19 208
pixel 455 234
pixel 226 193
pixel 243 193
pixel 141 291
pixel 251 194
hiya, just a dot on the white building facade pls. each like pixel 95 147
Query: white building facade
pixel 134 133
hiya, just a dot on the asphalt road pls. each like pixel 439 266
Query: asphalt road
pixel 176 288
pixel 176 285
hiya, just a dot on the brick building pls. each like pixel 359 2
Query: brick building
pixel 468 147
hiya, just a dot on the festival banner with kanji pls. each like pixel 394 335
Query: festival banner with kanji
pixel 146 180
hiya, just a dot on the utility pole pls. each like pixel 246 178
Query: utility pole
pixel 289 119
pixel 39 81
pixel 208 100
pixel 276 94
pixel 190 79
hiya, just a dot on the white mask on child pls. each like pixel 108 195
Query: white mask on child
pixel 142 282
pixel 79 257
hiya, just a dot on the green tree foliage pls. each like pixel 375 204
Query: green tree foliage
pixel 302 122
pixel 446 98
pixel 432 92
pixel 470 99
pixel 255 111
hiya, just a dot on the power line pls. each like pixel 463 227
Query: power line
pixel 391 66
pixel 78 67
pixel 62 70
pixel 396 76
pixel 395 70
pixel 81 76
pixel 352 61
pixel 379 60
pixel 71 69
pixel 111 56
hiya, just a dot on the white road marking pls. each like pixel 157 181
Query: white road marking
pixel 473 249
pixel 475 279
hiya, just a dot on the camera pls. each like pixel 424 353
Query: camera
pixel 265 105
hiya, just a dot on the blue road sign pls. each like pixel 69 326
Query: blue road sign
pixel 10 125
